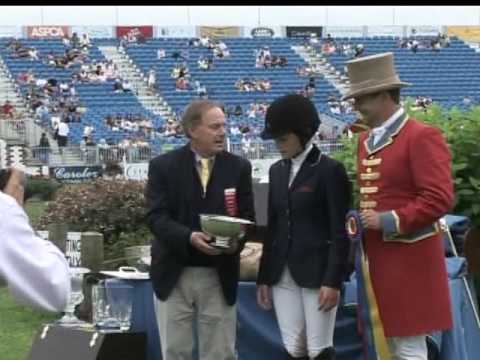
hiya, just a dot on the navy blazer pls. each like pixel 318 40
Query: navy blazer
pixel 169 193
pixel 306 223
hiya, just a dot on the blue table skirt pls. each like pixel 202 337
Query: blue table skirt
pixel 258 336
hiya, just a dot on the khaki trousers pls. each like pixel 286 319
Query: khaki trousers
pixel 197 300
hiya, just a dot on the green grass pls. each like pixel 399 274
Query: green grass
pixel 35 209
pixel 18 326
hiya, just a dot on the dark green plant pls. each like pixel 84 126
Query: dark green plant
pixel 42 188
pixel 114 208
pixel 461 129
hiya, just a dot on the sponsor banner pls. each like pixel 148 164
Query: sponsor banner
pixel 262 32
pixel 344 31
pixel 137 171
pixel 219 32
pixel 304 31
pixel 33 170
pixel 75 174
pixel 385 31
pixel 466 33
pixel 48 31
pixel 94 31
pixel 424 30
pixel 176 31
pixel 11 31
pixel 251 31
pixel 146 31
pixel 73 250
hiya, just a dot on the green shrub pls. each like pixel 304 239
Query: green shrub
pixel 114 208
pixel 42 188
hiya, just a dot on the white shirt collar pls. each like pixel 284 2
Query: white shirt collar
pixel 299 159
pixel 391 119
pixel 198 157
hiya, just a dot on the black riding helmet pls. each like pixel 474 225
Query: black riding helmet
pixel 291 114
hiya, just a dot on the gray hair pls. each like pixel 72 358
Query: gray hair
pixel 194 113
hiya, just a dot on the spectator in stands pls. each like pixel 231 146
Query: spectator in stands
pixel 75 40
pixel 195 42
pixel 161 54
pixel 43 152
pixel 310 87
pixel 88 130
pixel 201 90
pixel 443 40
pixel 151 80
pixel 13 44
pixel 42 113
pixel 358 50
pixel 102 149
pixel 467 100
pixel 33 53
pixel 235 130
pixel 66 41
pixel 221 50
pixel 177 55
pixel 182 84
pixel 204 41
pixel 62 135
pixel 85 41
pixel 238 111
pixel 8 109
pixel 203 63
pixel 117 85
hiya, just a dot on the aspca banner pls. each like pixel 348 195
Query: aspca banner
pixel 146 31
pixel 51 31
pixel 219 32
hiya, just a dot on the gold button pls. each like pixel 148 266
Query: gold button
pixel 365 197
pixel 368 183
pixel 369 170
pixel 371 157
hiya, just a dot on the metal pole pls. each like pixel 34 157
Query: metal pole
pixel 446 229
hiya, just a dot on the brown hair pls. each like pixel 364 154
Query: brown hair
pixel 194 112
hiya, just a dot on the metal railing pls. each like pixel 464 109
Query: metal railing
pixel 12 129
pixel 96 155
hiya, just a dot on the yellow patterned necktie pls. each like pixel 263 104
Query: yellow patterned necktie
pixel 204 173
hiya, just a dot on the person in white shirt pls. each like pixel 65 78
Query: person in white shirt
pixel 62 135
pixel 35 271
pixel 160 54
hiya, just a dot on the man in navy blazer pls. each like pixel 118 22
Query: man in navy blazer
pixel 190 277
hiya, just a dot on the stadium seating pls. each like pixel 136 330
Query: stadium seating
pixel 446 76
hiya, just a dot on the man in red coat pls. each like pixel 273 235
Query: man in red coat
pixel 405 186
